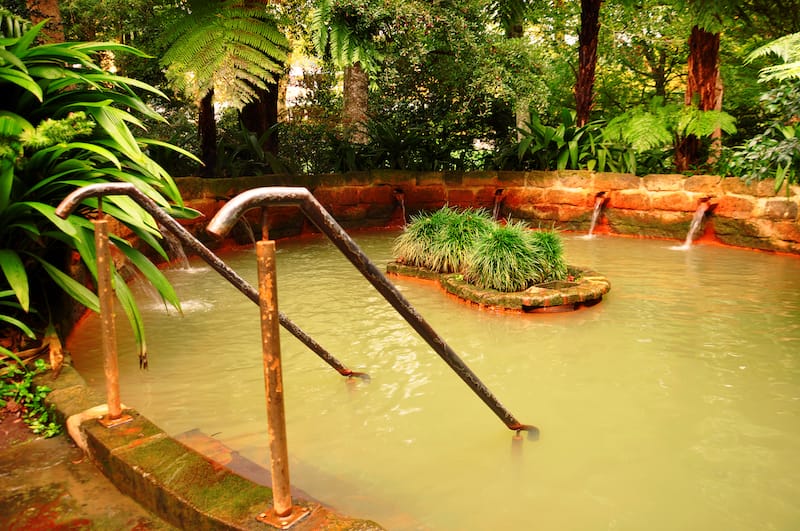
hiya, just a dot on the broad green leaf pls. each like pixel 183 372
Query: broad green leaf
pixel 106 154
pixel 73 288
pixel 109 119
pixel 563 157
pixel 6 182
pixel 21 79
pixel 131 309
pixel 27 38
pixel 47 72
pixel 10 58
pixel 17 277
pixel 64 225
pixel 19 324
pixel 12 125
pixel 150 272
pixel 155 142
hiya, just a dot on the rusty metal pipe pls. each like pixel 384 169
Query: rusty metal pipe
pixel 105 295
pixel 230 213
pixel 71 202
pixel 273 378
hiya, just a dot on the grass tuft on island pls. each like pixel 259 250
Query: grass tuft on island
pixel 507 266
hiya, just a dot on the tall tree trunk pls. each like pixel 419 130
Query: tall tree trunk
pixel 715 150
pixel 260 115
pixel 587 59
pixel 47 9
pixel 701 88
pixel 522 104
pixel 207 127
pixel 356 94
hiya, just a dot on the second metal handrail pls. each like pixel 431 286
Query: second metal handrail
pixel 230 213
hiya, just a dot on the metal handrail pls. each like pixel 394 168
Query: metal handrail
pixel 70 203
pixel 230 213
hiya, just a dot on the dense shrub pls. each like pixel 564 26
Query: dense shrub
pixel 506 259
pixel 490 255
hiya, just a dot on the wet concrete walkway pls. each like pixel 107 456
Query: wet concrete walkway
pixel 51 484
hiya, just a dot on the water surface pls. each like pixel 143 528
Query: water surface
pixel 673 404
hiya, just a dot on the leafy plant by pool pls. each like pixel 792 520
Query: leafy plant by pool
pixel 490 255
pixel 66 123
pixel 441 241
pixel 491 264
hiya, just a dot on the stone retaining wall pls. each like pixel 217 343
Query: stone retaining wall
pixel 738 214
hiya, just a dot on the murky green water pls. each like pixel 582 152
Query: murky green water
pixel 673 404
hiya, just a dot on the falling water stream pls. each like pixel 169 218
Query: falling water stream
pixel 697 219
pixel 598 207
pixel 673 404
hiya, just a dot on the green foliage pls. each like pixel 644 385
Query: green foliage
pixel 775 152
pixel 504 260
pixel 11 25
pixel 345 31
pixel 658 127
pixel 492 256
pixel 550 252
pixel 17 390
pixel 788 49
pixel 456 238
pixel 545 147
pixel 232 47
pixel 64 124
pixel 416 246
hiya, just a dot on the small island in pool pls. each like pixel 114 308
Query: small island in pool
pixel 503 266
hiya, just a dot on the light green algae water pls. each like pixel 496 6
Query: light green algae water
pixel 673 404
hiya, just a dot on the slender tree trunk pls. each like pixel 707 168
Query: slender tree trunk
pixel 587 59
pixel 701 88
pixel 522 104
pixel 207 127
pixel 356 95
pixel 260 115
pixel 716 137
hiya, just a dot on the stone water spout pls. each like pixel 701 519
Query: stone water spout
pixel 400 198
pixel 499 196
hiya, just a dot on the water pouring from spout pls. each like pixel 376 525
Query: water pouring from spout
pixel 697 220
pixel 598 207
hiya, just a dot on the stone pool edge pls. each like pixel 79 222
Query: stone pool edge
pixel 587 290
pixel 171 480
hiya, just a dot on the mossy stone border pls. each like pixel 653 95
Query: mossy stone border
pixel 588 289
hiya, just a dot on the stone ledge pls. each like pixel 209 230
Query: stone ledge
pixel 171 480
pixel 588 289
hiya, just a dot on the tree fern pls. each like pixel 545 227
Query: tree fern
pixel 231 47
pixel 344 38
pixel 658 125
pixel 788 49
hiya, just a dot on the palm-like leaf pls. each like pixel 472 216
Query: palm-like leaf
pixel 229 46
pixel 788 49
pixel 63 127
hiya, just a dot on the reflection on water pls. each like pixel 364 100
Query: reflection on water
pixel 673 404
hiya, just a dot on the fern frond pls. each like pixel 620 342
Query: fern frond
pixel 703 123
pixel 226 42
